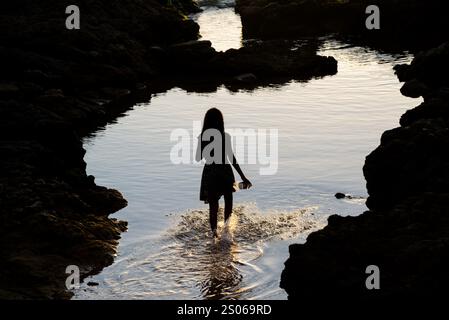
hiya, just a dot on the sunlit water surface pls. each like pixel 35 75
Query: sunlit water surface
pixel 326 128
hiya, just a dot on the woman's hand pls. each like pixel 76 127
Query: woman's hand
pixel 247 183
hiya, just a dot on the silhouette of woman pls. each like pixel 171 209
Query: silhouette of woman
pixel 214 145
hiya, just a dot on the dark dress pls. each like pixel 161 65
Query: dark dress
pixel 218 178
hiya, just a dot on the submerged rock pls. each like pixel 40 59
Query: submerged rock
pixel 92 284
pixel 340 195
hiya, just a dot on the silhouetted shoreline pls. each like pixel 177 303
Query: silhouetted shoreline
pixel 405 231
pixel 58 85
pixel 404 24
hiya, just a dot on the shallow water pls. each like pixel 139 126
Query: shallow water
pixel 326 128
pixel 221 26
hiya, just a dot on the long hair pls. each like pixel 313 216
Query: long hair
pixel 213 120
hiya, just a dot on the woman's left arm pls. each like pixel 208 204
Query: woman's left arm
pixel 236 166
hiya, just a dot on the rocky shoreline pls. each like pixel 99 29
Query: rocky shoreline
pixel 404 24
pixel 58 85
pixel 406 230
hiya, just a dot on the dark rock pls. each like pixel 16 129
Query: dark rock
pixel 92 283
pixel 194 46
pixel 434 108
pixel 263 62
pixel 8 91
pixel 409 161
pixel 428 67
pixel 31 90
pixel 186 6
pixel 295 19
pixel 40 78
pixel 414 89
pixel 402 71
pixel 56 84
pixel 340 195
pixel 190 53
pixel 406 243
pixel 406 231
pixel 273 59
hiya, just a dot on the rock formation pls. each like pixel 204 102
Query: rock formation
pixel 56 85
pixel 406 231
pixel 403 23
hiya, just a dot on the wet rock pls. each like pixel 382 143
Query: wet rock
pixel 340 195
pixel 255 64
pixel 92 284
pixel 271 60
pixel 402 71
pixel 414 89
pixel 420 161
pixel 194 46
pixel 406 231
pixel 428 67
pixel 434 108
pixel 189 54
pixel 406 243
pixel 295 19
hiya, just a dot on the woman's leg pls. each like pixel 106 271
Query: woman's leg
pixel 213 212
pixel 228 205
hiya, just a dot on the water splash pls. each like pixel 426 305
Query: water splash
pixel 247 223
pixel 189 263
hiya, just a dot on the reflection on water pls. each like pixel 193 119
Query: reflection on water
pixel 188 261
pixel 223 20
pixel 223 277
